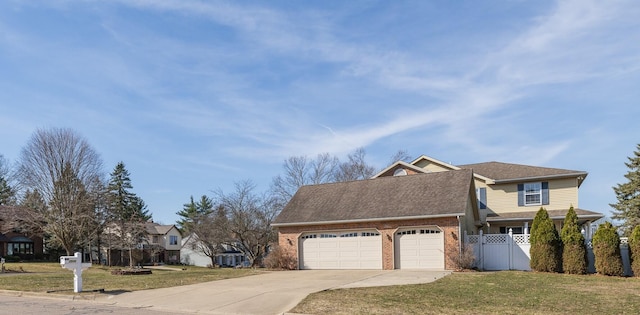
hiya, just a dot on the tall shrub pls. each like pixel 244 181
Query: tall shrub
pixel 634 250
pixel 546 255
pixel 574 253
pixel 606 249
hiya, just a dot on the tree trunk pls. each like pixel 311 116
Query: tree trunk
pixel 130 258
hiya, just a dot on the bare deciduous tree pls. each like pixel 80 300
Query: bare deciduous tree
pixel 300 171
pixel 250 218
pixel 401 155
pixel 66 171
pixel 210 232
pixel 355 168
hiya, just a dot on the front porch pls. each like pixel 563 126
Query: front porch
pixel 520 222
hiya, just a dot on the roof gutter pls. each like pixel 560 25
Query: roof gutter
pixel 368 220
pixel 524 179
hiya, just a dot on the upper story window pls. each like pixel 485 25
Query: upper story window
pixel 173 240
pixel 155 239
pixel 533 194
pixel 481 193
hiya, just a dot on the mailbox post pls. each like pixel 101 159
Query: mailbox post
pixel 75 263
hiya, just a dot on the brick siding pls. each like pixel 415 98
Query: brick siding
pixel 288 236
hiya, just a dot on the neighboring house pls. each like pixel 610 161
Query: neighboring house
pixel 163 243
pixel 227 258
pixel 13 242
pixel 383 223
pixel 393 221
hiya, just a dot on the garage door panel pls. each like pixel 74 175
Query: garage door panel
pixel 360 249
pixel 419 248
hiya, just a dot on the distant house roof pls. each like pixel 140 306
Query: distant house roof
pixel 553 214
pixel 506 172
pixel 157 229
pixel 386 198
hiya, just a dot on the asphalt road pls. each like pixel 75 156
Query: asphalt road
pixel 50 306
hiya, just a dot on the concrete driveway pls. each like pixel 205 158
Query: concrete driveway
pixel 270 293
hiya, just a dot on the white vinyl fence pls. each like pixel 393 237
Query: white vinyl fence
pixel 511 252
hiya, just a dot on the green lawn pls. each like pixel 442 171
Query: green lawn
pixel 50 277
pixel 506 292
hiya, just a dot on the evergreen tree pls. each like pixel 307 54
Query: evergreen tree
pixel 205 205
pixel 6 192
pixel 192 212
pixel 545 244
pixel 574 252
pixel 627 209
pixel 187 215
pixel 634 250
pixel 33 200
pixel 606 249
pixel 127 212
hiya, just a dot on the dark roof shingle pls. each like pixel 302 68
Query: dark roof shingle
pixel 505 171
pixel 394 197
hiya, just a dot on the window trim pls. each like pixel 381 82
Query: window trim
pixel 538 193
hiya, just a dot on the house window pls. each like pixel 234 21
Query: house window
pixel 352 234
pixel 327 235
pixel 370 234
pixel 408 232
pixel 20 245
pixel 309 236
pixel 173 240
pixel 155 239
pixel 533 194
pixel 481 193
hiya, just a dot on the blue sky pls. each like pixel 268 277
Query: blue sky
pixel 196 95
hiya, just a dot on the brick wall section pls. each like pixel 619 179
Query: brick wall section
pixel 288 236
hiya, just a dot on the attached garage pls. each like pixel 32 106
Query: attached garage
pixel 356 249
pixel 406 222
pixel 419 248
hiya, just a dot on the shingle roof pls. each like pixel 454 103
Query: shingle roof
pixel 394 197
pixel 157 229
pixel 505 171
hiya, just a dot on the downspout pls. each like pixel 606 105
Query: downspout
pixel 459 238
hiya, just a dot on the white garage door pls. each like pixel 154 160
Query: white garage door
pixel 419 248
pixel 357 249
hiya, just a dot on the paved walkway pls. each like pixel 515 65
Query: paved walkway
pixel 270 293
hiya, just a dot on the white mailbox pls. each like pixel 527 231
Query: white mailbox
pixel 75 263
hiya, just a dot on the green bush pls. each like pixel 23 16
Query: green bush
pixel 634 250
pixel 606 249
pixel 574 253
pixel 546 252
